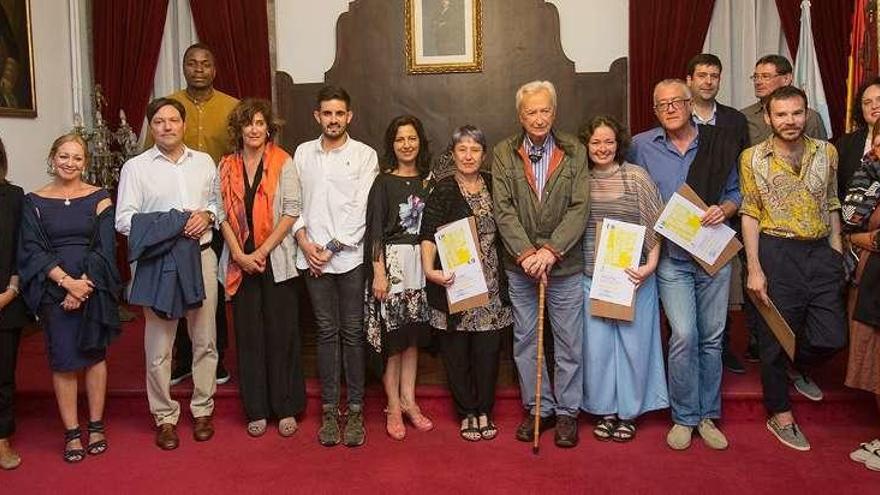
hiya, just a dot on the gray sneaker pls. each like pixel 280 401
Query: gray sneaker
pixel 806 387
pixel 789 435
pixel 355 434
pixel 328 434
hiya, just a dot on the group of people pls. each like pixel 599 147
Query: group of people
pixel 360 231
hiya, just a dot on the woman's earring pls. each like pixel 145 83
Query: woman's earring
pixel 268 134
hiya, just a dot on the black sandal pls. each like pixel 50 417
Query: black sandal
pixel 604 428
pixel 100 446
pixel 73 456
pixel 471 432
pixel 624 431
pixel 490 431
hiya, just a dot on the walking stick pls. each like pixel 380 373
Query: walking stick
pixel 540 367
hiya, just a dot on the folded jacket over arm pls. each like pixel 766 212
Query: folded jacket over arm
pixel 168 276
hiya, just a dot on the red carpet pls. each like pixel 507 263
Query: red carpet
pixel 437 461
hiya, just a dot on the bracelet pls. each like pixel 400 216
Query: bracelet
pixel 13 288
pixel 62 279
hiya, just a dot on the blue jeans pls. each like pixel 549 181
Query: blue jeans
pixel 696 306
pixel 564 299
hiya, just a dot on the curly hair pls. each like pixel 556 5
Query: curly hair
pixel 857 115
pixel 620 135
pixel 243 114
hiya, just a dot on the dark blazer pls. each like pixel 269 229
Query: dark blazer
pixel 11 197
pixel 850 149
pixel 446 204
pixel 733 119
pixel 168 277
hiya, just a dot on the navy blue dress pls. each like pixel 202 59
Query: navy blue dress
pixel 70 228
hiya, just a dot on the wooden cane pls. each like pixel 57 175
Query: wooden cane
pixel 540 367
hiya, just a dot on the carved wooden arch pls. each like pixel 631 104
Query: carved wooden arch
pixel 521 43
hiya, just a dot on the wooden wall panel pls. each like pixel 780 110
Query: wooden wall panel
pixel 520 44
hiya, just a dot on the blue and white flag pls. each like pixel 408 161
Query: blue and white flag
pixel 806 69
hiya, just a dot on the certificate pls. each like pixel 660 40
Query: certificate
pixel 680 223
pixel 619 247
pixel 460 255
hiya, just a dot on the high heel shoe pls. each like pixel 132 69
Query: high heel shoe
pixel 419 420
pixel 394 424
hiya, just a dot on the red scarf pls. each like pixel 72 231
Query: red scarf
pixel 232 184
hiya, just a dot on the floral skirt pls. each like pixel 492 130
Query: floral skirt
pixel 401 321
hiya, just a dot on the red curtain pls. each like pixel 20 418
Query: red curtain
pixel 238 33
pixel 832 23
pixel 663 36
pixel 127 38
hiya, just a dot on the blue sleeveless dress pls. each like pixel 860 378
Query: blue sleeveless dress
pixel 70 228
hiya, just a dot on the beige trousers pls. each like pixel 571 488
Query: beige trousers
pixel 159 342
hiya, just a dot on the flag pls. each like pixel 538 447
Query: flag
pixel 806 69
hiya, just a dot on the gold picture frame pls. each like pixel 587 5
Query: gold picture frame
pixel 17 84
pixel 443 36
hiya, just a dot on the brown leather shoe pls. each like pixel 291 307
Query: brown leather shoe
pixel 566 431
pixel 166 436
pixel 203 429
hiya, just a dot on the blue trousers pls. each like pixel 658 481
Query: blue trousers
pixel 623 361
pixel 696 306
pixel 564 300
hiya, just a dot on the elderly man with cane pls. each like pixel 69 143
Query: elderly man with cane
pixel 541 196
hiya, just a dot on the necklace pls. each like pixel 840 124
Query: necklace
pixel 66 201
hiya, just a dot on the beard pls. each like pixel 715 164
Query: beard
pixel 334 131
pixel 787 133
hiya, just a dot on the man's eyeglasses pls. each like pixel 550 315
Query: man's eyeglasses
pixel 763 77
pixel 676 104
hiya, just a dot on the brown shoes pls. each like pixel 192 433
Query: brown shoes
pixel 166 436
pixel 203 429
pixel 566 431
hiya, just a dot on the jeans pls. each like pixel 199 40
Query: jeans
pixel 338 302
pixel 696 306
pixel 564 300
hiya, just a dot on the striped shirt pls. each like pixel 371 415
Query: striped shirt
pixel 540 157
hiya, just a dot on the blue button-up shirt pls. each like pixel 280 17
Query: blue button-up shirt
pixel 542 166
pixel 669 169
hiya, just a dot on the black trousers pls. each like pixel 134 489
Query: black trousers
pixel 471 361
pixel 183 353
pixel 268 345
pixel 9 339
pixel 805 282
pixel 338 302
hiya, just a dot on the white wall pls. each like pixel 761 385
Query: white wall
pixel 27 141
pixel 593 32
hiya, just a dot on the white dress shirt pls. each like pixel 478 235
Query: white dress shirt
pixel 152 182
pixel 335 185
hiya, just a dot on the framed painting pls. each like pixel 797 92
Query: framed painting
pixel 443 36
pixel 17 91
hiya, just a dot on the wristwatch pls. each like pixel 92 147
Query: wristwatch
pixel 334 246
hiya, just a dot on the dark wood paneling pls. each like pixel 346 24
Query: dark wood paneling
pixel 520 44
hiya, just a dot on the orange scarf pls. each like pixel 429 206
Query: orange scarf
pixel 232 184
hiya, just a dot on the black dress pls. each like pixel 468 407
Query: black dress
pixel 394 216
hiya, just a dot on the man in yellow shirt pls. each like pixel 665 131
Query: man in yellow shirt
pixel 791 230
pixel 207 112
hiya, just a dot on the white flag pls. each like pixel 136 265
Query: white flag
pixel 806 69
